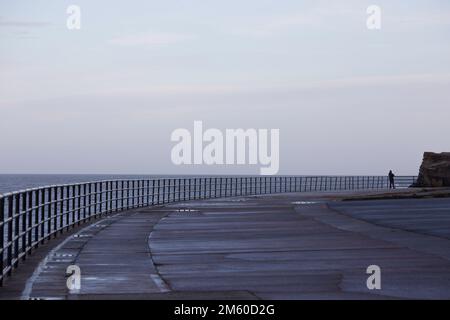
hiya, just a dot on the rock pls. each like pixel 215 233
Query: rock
pixel 435 170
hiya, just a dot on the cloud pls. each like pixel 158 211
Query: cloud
pixel 152 38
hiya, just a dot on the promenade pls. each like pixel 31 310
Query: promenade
pixel 286 246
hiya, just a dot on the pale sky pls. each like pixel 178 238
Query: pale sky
pixel 105 99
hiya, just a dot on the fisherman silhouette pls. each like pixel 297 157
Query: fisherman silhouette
pixel 391 176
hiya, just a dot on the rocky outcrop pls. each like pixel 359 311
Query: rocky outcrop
pixel 435 170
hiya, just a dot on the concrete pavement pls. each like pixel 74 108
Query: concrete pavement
pixel 290 246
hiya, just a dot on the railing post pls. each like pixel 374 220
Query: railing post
pixel 90 201
pixel 121 191
pixel 55 211
pixel 142 192
pixel 127 193
pixel 184 189
pixel 115 192
pixel 203 184
pixel 2 237
pixel 108 197
pixel 78 203
pixel 66 212
pixel 133 193
pixel 151 186
pixel 260 179
pixel 197 188
pixel 233 186
pixel 119 195
pixel 159 190
pixel 138 194
pixel 226 187
pixel 114 195
pixel 230 193
pixel 72 190
pixel 142 188
pixel 24 224
pixel 51 219
pixel 59 195
pixel 94 200
pixel 9 256
pixel 176 190
pixel 99 197
pixel 164 191
pixel 148 192
pixel 130 194
pixel 169 189
pixel 188 189
pixel 37 214
pixel 30 220
pixel 16 228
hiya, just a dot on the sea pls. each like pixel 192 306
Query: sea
pixel 16 182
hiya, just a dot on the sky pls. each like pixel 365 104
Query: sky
pixel 106 98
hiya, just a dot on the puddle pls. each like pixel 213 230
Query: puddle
pixel 82 235
pixel 304 202
pixel 187 210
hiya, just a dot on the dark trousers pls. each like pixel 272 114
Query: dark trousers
pixel 391 184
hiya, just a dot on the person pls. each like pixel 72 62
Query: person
pixel 391 180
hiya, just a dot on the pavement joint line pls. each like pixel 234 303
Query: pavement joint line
pixel 160 283
pixel 26 293
pixel 156 277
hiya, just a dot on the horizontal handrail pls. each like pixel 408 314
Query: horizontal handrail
pixel 33 216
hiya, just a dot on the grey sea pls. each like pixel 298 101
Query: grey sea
pixel 16 182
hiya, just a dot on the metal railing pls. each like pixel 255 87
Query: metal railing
pixel 31 217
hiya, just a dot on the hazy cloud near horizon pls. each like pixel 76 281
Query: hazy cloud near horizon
pixel 105 99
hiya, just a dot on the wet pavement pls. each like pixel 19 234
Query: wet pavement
pixel 290 246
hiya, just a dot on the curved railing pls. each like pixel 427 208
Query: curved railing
pixel 30 217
